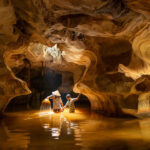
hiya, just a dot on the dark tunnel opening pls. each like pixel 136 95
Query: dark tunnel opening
pixel 42 83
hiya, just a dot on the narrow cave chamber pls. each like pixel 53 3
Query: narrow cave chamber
pixel 98 50
pixel 42 82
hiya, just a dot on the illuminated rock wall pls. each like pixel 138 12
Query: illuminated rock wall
pixel 144 103
pixel 98 38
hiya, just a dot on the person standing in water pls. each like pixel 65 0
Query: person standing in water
pixel 70 103
pixel 57 102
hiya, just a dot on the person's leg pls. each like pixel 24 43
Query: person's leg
pixel 56 110
pixel 71 110
pixel 59 110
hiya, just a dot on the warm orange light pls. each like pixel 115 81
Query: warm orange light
pixel 45 113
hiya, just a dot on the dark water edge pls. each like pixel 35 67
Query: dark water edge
pixel 83 130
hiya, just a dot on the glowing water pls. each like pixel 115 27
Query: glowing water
pixel 45 105
pixel 45 130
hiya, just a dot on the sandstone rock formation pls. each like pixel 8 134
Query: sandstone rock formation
pixel 104 44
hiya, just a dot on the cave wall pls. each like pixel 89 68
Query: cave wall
pixel 100 38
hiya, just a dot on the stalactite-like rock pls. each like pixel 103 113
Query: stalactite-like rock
pixel 97 38
pixel 10 86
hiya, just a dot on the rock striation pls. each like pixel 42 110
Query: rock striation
pixel 104 44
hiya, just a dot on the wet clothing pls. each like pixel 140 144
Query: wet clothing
pixel 56 110
pixel 70 105
pixel 57 102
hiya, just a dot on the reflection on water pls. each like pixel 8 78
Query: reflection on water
pixel 85 131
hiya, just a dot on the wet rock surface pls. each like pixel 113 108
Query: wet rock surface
pixel 103 44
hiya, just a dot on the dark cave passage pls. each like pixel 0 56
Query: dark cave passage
pixel 41 86
pixel 42 83
pixel 97 48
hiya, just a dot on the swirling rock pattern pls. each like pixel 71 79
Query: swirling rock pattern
pixel 100 39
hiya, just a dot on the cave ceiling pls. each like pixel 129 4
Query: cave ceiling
pixel 104 43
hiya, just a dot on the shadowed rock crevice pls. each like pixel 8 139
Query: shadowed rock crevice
pixel 104 45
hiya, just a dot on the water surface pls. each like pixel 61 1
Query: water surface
pixel 32 130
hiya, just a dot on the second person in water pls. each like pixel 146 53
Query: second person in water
pixel 70 103
pixel 58 104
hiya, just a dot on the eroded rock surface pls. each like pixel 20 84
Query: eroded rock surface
pixel 99 39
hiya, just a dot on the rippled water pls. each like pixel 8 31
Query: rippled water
pixel 88 131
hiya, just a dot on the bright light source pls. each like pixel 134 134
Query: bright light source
pixel 44 113
pixel 55 52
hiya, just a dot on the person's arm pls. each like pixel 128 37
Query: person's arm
pixel 78 95
pixel 75 99
pixel 50 97
pixel 66 105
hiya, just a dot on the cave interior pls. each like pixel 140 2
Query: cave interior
pixel 99 48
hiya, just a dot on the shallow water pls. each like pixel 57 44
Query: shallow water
pixel 44 131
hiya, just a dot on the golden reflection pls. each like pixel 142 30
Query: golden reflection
pixel 46 126
pixel 79 115
pixel 45 113
pixel 145 128
pixel 80 130
pixel 54 122
pixel 13 137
